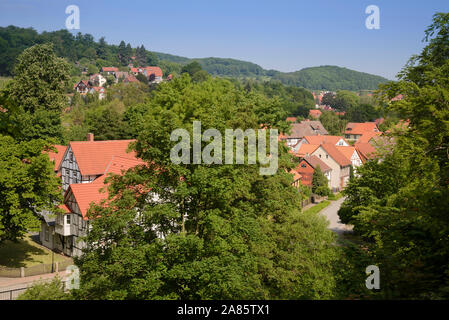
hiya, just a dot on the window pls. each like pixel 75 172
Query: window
pixel 47 234
pixel 327 156
pixel 67 219
pixel 303 165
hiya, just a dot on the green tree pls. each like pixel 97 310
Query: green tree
pixel 333 123
pixel 142 78
pixel 53 290
pixel 217 231
pixel 28 186
pixel 37 94
pixel 320 184
pixel 191 68
pixel 399 205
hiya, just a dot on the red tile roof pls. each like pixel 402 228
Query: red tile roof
pixel 153 70
pixel 366 151
pixel 315 113
pixel 367 136
pixel 336 154
pixel 57 155
pixel 319 139
pixel 96 191
pixel 291 119
pixel 346 151
pixel 360 128
pixel 306 149
pixel 314 161
pixel 109 69
pixel 93 157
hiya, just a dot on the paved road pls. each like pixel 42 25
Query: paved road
pixel 331 213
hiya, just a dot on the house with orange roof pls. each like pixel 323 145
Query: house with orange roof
pixel 82 87
pixel 56 156
pixel 351 154
pixel 366 151
pixel 83 167
pixel 314 113
pixel 338 162
pixel 305 150
pixel 354 130
pixel 319 139
pixel 302 129
pixel 109 70
pixel 307 166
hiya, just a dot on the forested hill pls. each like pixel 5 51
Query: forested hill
pixel 96 54
pixel 314 78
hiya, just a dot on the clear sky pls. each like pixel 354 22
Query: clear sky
pixel 282 35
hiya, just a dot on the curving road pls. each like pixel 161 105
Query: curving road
pixel 331 213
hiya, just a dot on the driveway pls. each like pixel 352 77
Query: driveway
pixel 331 213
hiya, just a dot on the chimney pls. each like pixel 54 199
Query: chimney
pixel 90 137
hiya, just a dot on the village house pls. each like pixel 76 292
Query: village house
pixel 99 90
pixel 319 139
pixel 302 129
pixel 340 165
pixel 109 70
pixel 82 87
pixel 82 167
pixel 315 113
pixel 355 130
pixel 97 80
pixel 307 166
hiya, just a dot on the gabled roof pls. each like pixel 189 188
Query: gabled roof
pixel 96 191
pixel 348 151
pixel 315 113
pixel 360 128
pixel 306 128
pixel 319 139
pixel 57 156
pixel 290 119
pixel 93 157
pixel 367 136
pixel 314 161
pixel 85 82
pixel 336 154
pixel 366 150
pixel 109 69
pixel 306 149
pixel 153 70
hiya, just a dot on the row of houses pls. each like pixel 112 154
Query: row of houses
pixel 152 73
pixel 310 143
pixel 84 165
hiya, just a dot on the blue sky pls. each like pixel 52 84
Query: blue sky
pixel 281 35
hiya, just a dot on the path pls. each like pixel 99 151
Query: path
pixel 331 213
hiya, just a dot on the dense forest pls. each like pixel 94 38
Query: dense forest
pixel 96 54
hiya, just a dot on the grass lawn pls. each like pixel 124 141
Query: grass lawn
pixel 26 253
pixel 318 207
pixel 335 196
